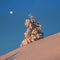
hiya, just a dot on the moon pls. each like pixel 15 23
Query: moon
pixel 11 12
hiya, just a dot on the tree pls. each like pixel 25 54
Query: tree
pixel 33 32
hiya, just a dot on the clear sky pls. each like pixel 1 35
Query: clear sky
pixel 12 28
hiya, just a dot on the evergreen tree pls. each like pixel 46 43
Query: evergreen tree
pixel 33 32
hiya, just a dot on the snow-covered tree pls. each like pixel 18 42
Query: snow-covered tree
pixel 33 32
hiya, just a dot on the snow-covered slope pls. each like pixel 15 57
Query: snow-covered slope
pixel 45 49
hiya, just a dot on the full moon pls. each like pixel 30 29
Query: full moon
pixel 11 12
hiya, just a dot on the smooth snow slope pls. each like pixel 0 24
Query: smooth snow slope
pixel 44 49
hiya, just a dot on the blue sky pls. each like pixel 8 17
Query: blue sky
pixel 12 28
